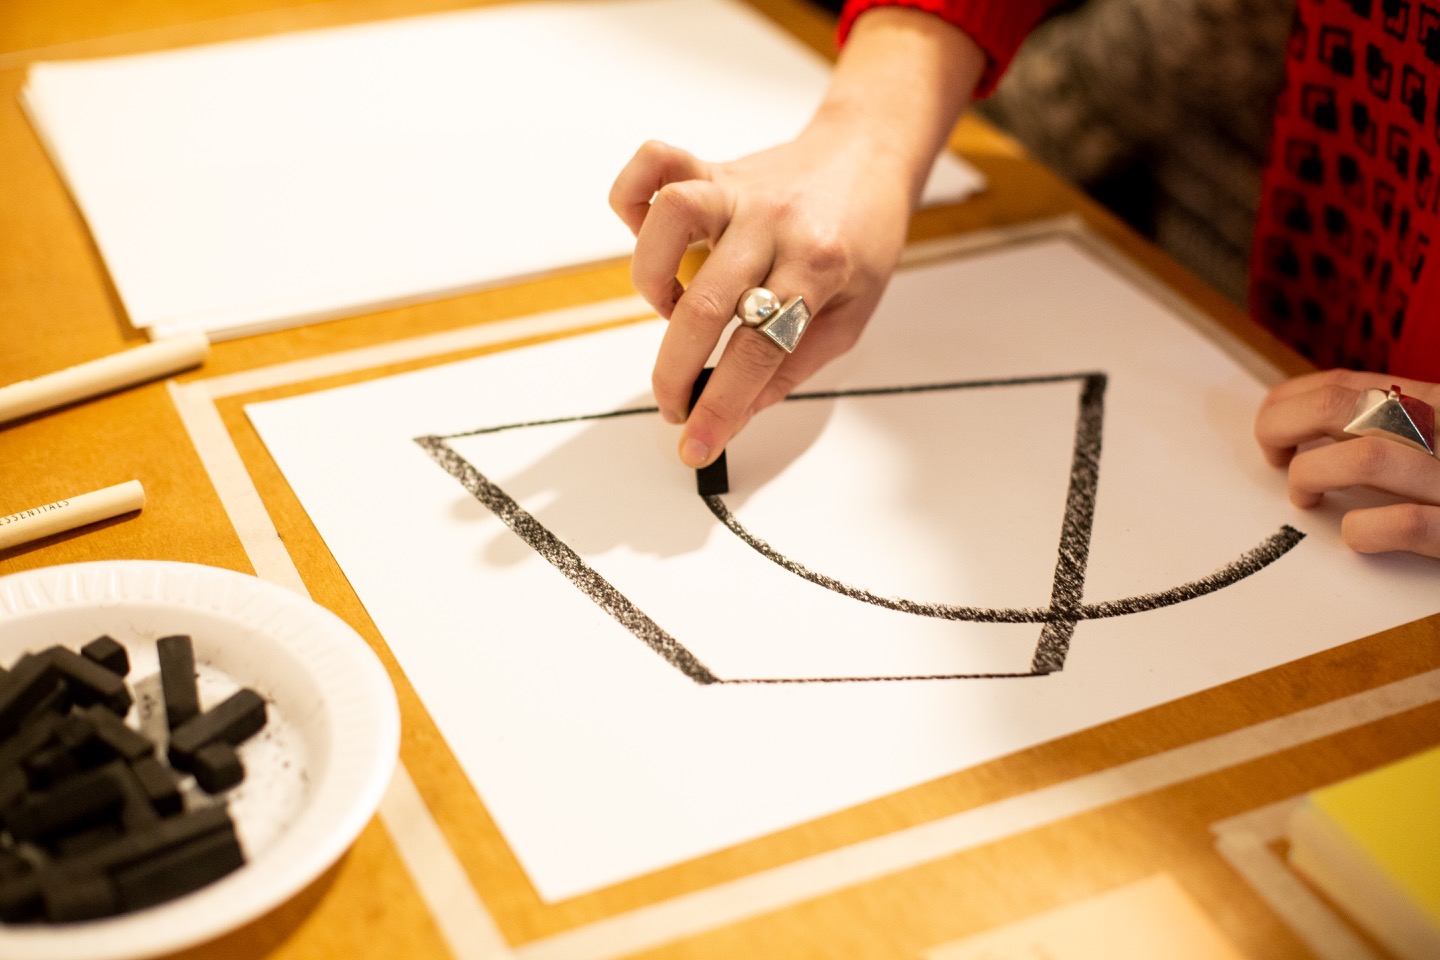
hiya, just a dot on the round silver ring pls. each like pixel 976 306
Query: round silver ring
pixel 1391 415
pixel 757 305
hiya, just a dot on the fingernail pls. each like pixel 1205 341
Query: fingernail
pixel 671 416
pixel 694 453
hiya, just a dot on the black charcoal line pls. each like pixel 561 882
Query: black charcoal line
pixel 813 395
pixel 481 431
pixel 566 560
pixel 952 385
pixel 1252 561
pixel 883 679
pixel 1069 586
pixel 1060 618
pixel 941 611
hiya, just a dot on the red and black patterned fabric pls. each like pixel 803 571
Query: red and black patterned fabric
pixel 1340 265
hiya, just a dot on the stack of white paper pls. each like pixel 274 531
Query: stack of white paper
pixel 245 186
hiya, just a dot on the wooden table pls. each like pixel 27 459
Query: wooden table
pixel 431 876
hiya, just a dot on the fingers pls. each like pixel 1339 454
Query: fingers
pixel 1410 527
pixel 1354 380
pixel 701 315
pixel 680 214
pixel 800 219
pixel 669 200
pixel 1296 417
pixel 654 165
pixel 751 360
pixel 1320 405
pixel 822 343
pixel 666 198
pixel 1364 462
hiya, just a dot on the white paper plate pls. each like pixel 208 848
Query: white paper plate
pixel 314 775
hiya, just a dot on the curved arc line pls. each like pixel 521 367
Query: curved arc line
pixel 1250 562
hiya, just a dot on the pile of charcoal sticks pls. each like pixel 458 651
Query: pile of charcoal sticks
pixel 93 819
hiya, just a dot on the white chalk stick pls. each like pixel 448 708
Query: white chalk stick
pixel 62 515
pixel 90 379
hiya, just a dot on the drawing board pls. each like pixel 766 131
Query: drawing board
pixel 242 186
pixel 1014 511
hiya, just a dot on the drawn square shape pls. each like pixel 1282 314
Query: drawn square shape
pixel 919 528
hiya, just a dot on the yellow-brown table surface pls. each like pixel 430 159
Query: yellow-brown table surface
pixel 57 308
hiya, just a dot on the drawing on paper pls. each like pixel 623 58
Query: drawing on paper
pixel 1058 620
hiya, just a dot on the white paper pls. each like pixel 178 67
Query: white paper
pixel 600 754
pixel 243 186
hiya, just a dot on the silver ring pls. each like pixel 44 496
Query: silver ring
pixel 784 323
pixel 756 306
pixel 1392 415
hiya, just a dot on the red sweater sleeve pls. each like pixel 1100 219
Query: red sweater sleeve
pixel 996 26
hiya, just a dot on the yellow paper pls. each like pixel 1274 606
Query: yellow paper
pixel 1393 815
pixel 1372 844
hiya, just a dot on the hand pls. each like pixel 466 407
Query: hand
pixel 823 217
pixel 813 218
pixel 1319 405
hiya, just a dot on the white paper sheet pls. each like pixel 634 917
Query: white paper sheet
pixel 649 692
pixel 243 186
